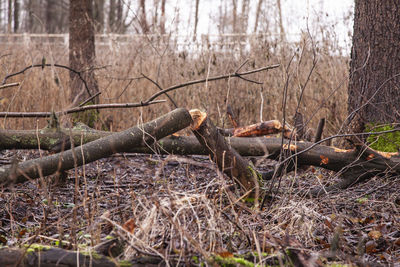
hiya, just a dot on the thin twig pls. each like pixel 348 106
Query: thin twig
pixel 89 99
pixel 79 73
pixel 9 85
pixel 215 78
pixel 77 109
pixel 241 65
pixel 159 87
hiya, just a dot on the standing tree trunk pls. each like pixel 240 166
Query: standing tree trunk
pixel 281 29
pixel 162 19
pixel 98 15
pixel 111 16
pixel 9 13
pixel 143 19
pixel 374 94
pixel 51 16
pixel 120 18
pixel 196 19
pixel 82 52
pixel 258 11
pixel 16 15
pixel 234 16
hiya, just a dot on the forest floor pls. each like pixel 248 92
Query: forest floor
pixel 182 209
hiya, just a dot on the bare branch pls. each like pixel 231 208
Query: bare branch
pixel 9 85
pixel 76 109
pixel 215 78
pixel 79 73
pixel 159 87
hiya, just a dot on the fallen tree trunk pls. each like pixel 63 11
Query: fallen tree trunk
pixel 49 138
pixel 355 164
pixel 52 138
pixel 138 136
pixel 226 157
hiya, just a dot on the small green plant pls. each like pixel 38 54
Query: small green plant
pixel 387 142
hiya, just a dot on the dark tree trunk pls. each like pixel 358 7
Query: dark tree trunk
pixel 258 11
pixel 82 50
pixel 234 16
pixel 111 16
pixel 9 17
pixel 16 15
pixel 162 19
pixel 196 19
pixel 51 16
pixel 143 20
pixel 374 94
pixel 120 18
pixel 31 22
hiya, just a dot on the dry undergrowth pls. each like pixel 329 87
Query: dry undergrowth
pixel 324 90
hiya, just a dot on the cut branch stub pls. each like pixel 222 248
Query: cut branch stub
pixel 227 159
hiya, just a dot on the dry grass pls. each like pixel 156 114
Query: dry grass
pixel 324 84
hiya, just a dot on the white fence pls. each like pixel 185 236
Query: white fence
pixel 179 42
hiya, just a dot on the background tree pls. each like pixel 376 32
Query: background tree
pixel 82 50
pixel 16 15
pixel 374 93
pixel 98 15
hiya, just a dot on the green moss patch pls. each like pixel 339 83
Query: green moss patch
pixel 387 142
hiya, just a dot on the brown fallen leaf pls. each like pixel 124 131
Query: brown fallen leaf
pixel 375 234
pixel 129 225
pixel 370 247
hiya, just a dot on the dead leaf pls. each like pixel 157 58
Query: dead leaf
pixel 129 225
pixel 370 156
pixel 225 254
pixel 324 160
pixel 22 233
pixel 375 234
pixel 370 247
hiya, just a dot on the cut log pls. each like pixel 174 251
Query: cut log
pixel 138 136
pixel 227 159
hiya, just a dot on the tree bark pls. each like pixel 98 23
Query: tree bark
pixel 374 96
pixel 82 54
pixel 143 135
